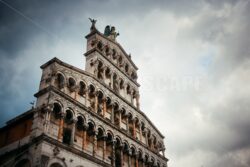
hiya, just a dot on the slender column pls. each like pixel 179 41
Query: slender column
pixel 73 131
pixel 47 118
pixel 104 148
pixel 96 103
pixel 112 114
pixel 131 97
pixel 60 131
pixel 84 133
pixel 95 143
pixel 146 137
pixel 113 153
pixel 104 107
pixel 137 101
pixel 120 118
pixel 134 131
pixel 127 124
pixel 140 132
pixel 129 158
pixel 111 80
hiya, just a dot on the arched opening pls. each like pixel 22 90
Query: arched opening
pixel 90 138
pixel 109 108
pixel 126 154
pixel 137 129
pixel 71 84
pixel 118 152
pixel 130 124
pixel 115 82
pixel 107 72
pixel 128 89
pixel 109 145
pixel 149 139
pixel 100 143
pixel 79 130
pixel 100 70
pixel 100 106
pixel 155 146
pixel 108 76
pixel 67 130
pixel 143 131
pixel 133 157
pixel 116 115
pixel 91 90
pixel 123 120
pixel 23 163
pixel 134 94
pixel 82 88
pixel 56 113
pixel 121 86
pixel 60 81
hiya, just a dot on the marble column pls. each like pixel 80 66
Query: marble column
pixel 73 132
pixel 61 124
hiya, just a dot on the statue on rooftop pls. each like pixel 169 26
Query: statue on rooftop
pixel 93 21
pixel 107 31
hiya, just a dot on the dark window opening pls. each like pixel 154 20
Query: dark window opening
pixel 66 136
pixel 60 81
pixel 82 88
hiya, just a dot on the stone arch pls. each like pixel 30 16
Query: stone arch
pixel 90 121
pixel 102 128
pixel 69 115
pixel 80 122
pixel 60 79
pixel 109 132
pixel 71 83
pixel 91 88
pixel 82 87
pixel 57 110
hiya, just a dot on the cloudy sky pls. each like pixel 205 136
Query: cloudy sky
pixel 193 59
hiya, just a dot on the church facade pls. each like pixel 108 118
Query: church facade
pixel 85 118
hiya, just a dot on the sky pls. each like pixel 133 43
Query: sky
pixel 193 60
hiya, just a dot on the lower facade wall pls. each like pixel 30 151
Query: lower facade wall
pixel 45 154
pixel 52 155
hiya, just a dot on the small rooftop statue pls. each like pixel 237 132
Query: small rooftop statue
pixel 93 21
pixel 110 32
